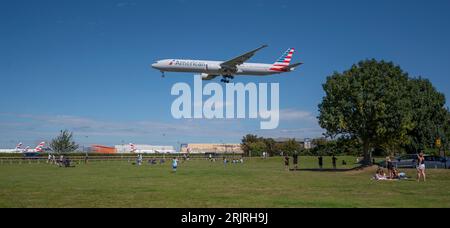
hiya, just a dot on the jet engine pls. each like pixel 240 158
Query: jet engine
pixel 206 77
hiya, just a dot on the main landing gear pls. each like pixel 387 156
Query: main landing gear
pixel 226 79
pixel 163 75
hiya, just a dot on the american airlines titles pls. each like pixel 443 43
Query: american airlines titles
pixel 188 63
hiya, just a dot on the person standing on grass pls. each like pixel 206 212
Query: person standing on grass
pixel 320 162
pixel 334 161
pixel 174 164
pixel 49 159
pixel 295 160
pixel 390 167
pixel 286 162
pixel 421 167
pixel 61 160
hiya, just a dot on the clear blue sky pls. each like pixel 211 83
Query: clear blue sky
pixel 83 65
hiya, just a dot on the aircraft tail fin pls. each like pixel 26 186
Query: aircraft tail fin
pixel 132 148
pixel 40 147
pixel 282 64
pixel 19 146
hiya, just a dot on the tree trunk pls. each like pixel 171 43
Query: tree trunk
pixel 367 161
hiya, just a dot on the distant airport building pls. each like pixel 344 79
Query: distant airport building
pixel 144 149
pixel 100 149
pixel 211 148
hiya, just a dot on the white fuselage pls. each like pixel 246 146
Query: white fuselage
pixel 18 151
pixel 212 67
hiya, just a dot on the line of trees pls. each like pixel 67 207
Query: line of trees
pixel 252 145
pixel 379 106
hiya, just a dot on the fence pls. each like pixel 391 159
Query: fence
pixel 96 159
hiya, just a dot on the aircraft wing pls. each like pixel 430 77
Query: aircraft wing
pixel 241 59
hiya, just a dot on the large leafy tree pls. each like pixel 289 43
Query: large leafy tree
pixel 446 130
pixel 429 115
pixel 63 143
pixel 369 102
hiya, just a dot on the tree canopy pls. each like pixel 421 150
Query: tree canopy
pixel 378 104
pixel 255 146
pixel 63 143
pixel 429 115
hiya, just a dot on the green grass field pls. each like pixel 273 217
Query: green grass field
pixel 257 183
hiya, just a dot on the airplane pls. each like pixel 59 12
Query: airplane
pixel 34 152
pixel 18 149
pixel 38 149
pixel 209 70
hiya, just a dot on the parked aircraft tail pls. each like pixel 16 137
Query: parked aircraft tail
pixel 19 146
pixel 40 147
pixel 132 148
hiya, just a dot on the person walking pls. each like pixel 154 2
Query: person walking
pixel 174 164
pixel 286 162
pixel 334 161
pixel 295 160
pixel 320 162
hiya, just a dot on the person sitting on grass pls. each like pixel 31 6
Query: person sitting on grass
pixel 380 175
pixel 395 174
pixel 67 163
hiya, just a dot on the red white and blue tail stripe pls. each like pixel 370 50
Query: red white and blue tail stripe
pixel 282 64
pixel 39 147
